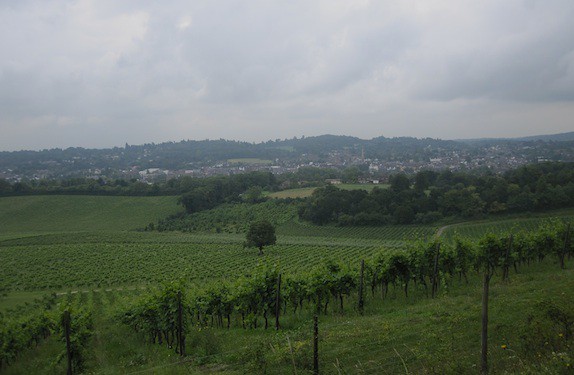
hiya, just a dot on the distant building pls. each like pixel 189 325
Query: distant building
pixel 333 181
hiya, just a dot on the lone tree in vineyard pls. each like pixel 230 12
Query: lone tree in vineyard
pixel 260 233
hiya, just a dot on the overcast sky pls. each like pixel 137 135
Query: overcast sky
pixel 105 72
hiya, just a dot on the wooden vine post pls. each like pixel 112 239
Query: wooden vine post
pixel 315 345
pixel 565 249
pixel 180 336
pixel 484 334
pixel 66 322
pixel 278 302
pixel 361 288
pixel 568 239
pixel 435 271
pixel 506 264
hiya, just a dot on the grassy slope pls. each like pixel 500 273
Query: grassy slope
pixel 14 299
pixel 81 213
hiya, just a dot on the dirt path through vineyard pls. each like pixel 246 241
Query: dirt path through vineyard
pixel 442 229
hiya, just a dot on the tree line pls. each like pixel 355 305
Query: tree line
pixel 216 189
pixel 430 196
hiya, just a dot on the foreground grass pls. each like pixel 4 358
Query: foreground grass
pixel 415 335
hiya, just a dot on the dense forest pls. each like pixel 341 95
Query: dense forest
pixel 431 196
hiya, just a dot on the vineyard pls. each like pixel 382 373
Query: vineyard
pixel 230 218
pixel 68 265
pixel 226 323
pixel 383 234
pixel 479 229
pixel 64 261
pixel 95 259
pixel 137 300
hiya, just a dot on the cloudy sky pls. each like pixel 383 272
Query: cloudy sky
pixel 101 73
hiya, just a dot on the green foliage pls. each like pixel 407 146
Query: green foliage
pixel 24 332
pixel 253 194
pixel 30 325
pixel 458 195
pixel 512 224
pixel 399 182
pixel 490 251
pixel 86 186
pixel 425 263
pixel 157 316
pixel 260 234
pixel 204 194
pixel 231 218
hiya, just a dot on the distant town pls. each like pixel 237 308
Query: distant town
pixel 378 158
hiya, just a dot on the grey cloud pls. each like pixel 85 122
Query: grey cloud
pixel 525 56
pixel 281 59
pixel 100 73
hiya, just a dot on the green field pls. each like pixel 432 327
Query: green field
pixel 81 213
pixel 306 192
pixel 367 187
pixel 293 193
pixel 85 250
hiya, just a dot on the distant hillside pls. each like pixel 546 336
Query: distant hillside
pixel 331 150
pixel 561 137
pixel 553 137
pixel 187 154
